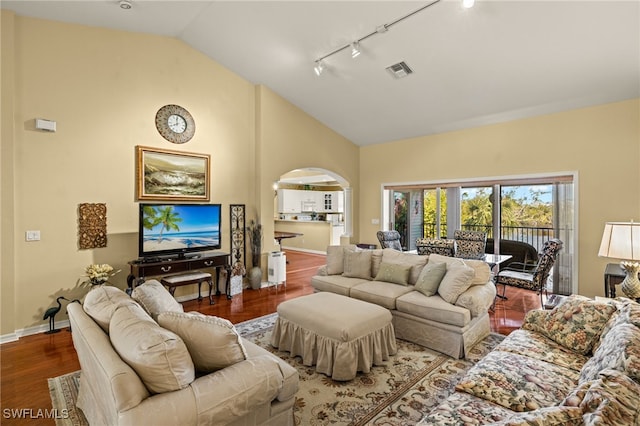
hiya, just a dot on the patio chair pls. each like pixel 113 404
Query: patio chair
pixel 389 239
pixel 443 247
pixel 470 244
pixel 530 277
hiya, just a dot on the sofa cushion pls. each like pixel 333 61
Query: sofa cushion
pixel 575 324
pixel 548 416
pixel 335 258
pixel 157 355
pixel 464 409
pixel 518 382
pixel 335 283
pixel 535 345
pixel 430 278
pixel 213 342
pixel 481 270
pixel 433 308
pixel 609 400
pixel 619 350
pixel 455 282
pixel 155 298
pixel 417 262
pixel 379 293
pixel 357 264
pixel 102 301
pixel 393 273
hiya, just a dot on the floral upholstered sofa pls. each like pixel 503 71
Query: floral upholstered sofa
pixel 578 364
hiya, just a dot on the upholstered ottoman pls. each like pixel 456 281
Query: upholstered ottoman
pixel 340 335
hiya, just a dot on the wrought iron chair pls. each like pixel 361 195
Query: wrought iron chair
pixel 443 247
pixel 389 239
pixel 531 277
pixel 470 244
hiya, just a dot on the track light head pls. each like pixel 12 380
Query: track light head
pixel 125 4
pixel 355 49
pixel 319 67
pixel 468 4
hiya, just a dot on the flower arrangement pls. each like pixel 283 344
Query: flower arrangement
pixel 99 273
pixel 238 269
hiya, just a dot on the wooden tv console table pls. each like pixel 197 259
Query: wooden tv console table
pixel 141 269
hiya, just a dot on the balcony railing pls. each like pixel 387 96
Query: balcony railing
pixel 536 236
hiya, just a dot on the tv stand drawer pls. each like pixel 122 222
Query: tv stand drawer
pixel 208 262
pixel 168 268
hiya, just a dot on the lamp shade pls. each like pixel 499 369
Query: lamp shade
pixel 621 240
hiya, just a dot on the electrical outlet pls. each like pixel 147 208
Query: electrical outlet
pixel 375 221
pixel 32 236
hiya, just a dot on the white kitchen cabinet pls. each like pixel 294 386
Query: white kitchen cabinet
pixel 298 201
pixel 333 202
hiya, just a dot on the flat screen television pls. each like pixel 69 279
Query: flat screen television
pixel 167 230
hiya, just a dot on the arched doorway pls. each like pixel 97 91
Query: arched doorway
pixel 315 204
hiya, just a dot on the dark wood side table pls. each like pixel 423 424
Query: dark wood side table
pixel 613 274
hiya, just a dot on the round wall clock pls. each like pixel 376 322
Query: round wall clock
pixel 175 124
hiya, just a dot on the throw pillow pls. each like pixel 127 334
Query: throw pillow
pixel 417 262
pixel 393 273
pixel 357 264
pixel 335 258
pixel 455 282
pixel 155 298
pixel 482 272
pixel 430 278
pixel 213 342
pixel 102 301
pixel 158 356
pixel 575 324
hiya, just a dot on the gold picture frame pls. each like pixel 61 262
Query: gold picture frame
pixel 164 174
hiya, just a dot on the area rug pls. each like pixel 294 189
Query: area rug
pixel 400 392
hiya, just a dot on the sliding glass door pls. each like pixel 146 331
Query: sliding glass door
pixel 530 210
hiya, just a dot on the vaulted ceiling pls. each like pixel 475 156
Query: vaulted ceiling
pixel 498 61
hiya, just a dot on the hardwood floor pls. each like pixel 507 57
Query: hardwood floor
pixel 27 363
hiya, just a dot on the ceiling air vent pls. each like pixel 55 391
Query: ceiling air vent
pixel 399 70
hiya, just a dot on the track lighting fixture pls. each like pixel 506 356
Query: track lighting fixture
pixel 125 4
pixel 355 49
pixel 468 4
pixel 381 29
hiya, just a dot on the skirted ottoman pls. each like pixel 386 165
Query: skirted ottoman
pixel 340 335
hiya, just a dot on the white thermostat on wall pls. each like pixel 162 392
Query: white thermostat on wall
pixel 47 125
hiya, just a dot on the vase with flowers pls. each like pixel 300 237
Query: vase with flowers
pixel 99 274
pixel 254 230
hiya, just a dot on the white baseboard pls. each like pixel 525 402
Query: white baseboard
pixel 303 250
pixel 15 336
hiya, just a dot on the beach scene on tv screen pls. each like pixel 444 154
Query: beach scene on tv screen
pixel 176 227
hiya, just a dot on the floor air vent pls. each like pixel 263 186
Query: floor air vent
pixel 399 70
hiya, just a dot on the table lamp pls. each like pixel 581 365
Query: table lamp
pixel 621 240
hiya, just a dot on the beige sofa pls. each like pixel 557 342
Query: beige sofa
pixel 578 364
pixel 436 301
pixel 193 370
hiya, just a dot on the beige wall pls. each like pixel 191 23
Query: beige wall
pixel 601 144
pixel 103 88
pixel 289 139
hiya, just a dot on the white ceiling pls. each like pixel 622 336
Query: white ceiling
pixel 498 61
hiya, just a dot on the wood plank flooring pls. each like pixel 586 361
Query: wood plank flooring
pixel 27 363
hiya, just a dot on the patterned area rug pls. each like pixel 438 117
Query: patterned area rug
pixel 400 392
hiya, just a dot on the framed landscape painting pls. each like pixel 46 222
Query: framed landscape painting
pixel 164 174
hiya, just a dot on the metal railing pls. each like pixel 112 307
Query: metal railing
pixel 536 236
